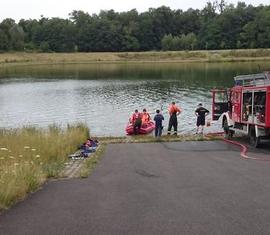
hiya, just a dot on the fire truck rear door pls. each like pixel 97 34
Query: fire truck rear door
pixel 220 103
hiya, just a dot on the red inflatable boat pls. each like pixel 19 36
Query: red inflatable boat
pixel 145 128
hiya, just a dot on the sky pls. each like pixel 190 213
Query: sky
pixel 33 9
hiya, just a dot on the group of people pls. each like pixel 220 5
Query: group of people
pixel 85 150
pixel 88 147
pixel 139 119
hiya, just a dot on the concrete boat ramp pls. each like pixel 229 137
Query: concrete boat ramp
pixel 154 188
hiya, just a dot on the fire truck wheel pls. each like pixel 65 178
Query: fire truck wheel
pixel 253 139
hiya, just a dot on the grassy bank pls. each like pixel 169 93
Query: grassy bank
pixel 152 139
pixel 29 156
pixel 168 56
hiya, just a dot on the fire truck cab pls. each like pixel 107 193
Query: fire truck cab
pixel 245 107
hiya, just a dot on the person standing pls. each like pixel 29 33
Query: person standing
pixel 136 120
pixel 201 113
pixel 174 111
pixel 158 123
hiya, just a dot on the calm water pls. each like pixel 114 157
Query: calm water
pixel 103 96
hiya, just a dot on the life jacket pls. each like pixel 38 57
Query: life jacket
pixel 173 109
pixel 135 116
pixel 146 117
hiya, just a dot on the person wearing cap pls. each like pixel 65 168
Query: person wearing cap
pixel 158 123
pixel 201 113
pixel 173 112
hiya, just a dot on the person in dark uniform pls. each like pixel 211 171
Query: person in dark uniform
pixel 173 111
pixel 201 113
pixel 158 123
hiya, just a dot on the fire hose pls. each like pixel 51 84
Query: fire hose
pixel 243 147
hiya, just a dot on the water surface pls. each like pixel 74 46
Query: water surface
pixel 103 96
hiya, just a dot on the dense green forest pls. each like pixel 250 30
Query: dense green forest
pixel 217 26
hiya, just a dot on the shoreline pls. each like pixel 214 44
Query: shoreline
pixel 24 58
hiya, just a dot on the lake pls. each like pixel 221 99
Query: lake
pixel 104 95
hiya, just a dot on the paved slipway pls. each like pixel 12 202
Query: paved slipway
pixel 156 188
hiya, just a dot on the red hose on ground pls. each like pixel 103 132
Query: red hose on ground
pixel 243 147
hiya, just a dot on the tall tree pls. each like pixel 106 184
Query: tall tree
pixel 256 33
pixel 3 41
pixel 5 26
pixel 16 37
pixel 217 26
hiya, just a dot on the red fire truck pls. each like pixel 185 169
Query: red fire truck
pixel 245 107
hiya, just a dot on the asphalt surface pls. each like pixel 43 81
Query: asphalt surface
pixel 162 188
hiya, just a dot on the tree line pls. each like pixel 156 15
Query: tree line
pixel 217 26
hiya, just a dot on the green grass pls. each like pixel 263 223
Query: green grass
pixel 246 53
pixel 151 139
pixel 29 156
pixel 123 57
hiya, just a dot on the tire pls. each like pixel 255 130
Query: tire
pixel 253 139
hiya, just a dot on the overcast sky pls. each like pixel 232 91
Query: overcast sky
pixel 26 9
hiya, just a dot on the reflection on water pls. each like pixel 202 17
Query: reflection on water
pixel 104 95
